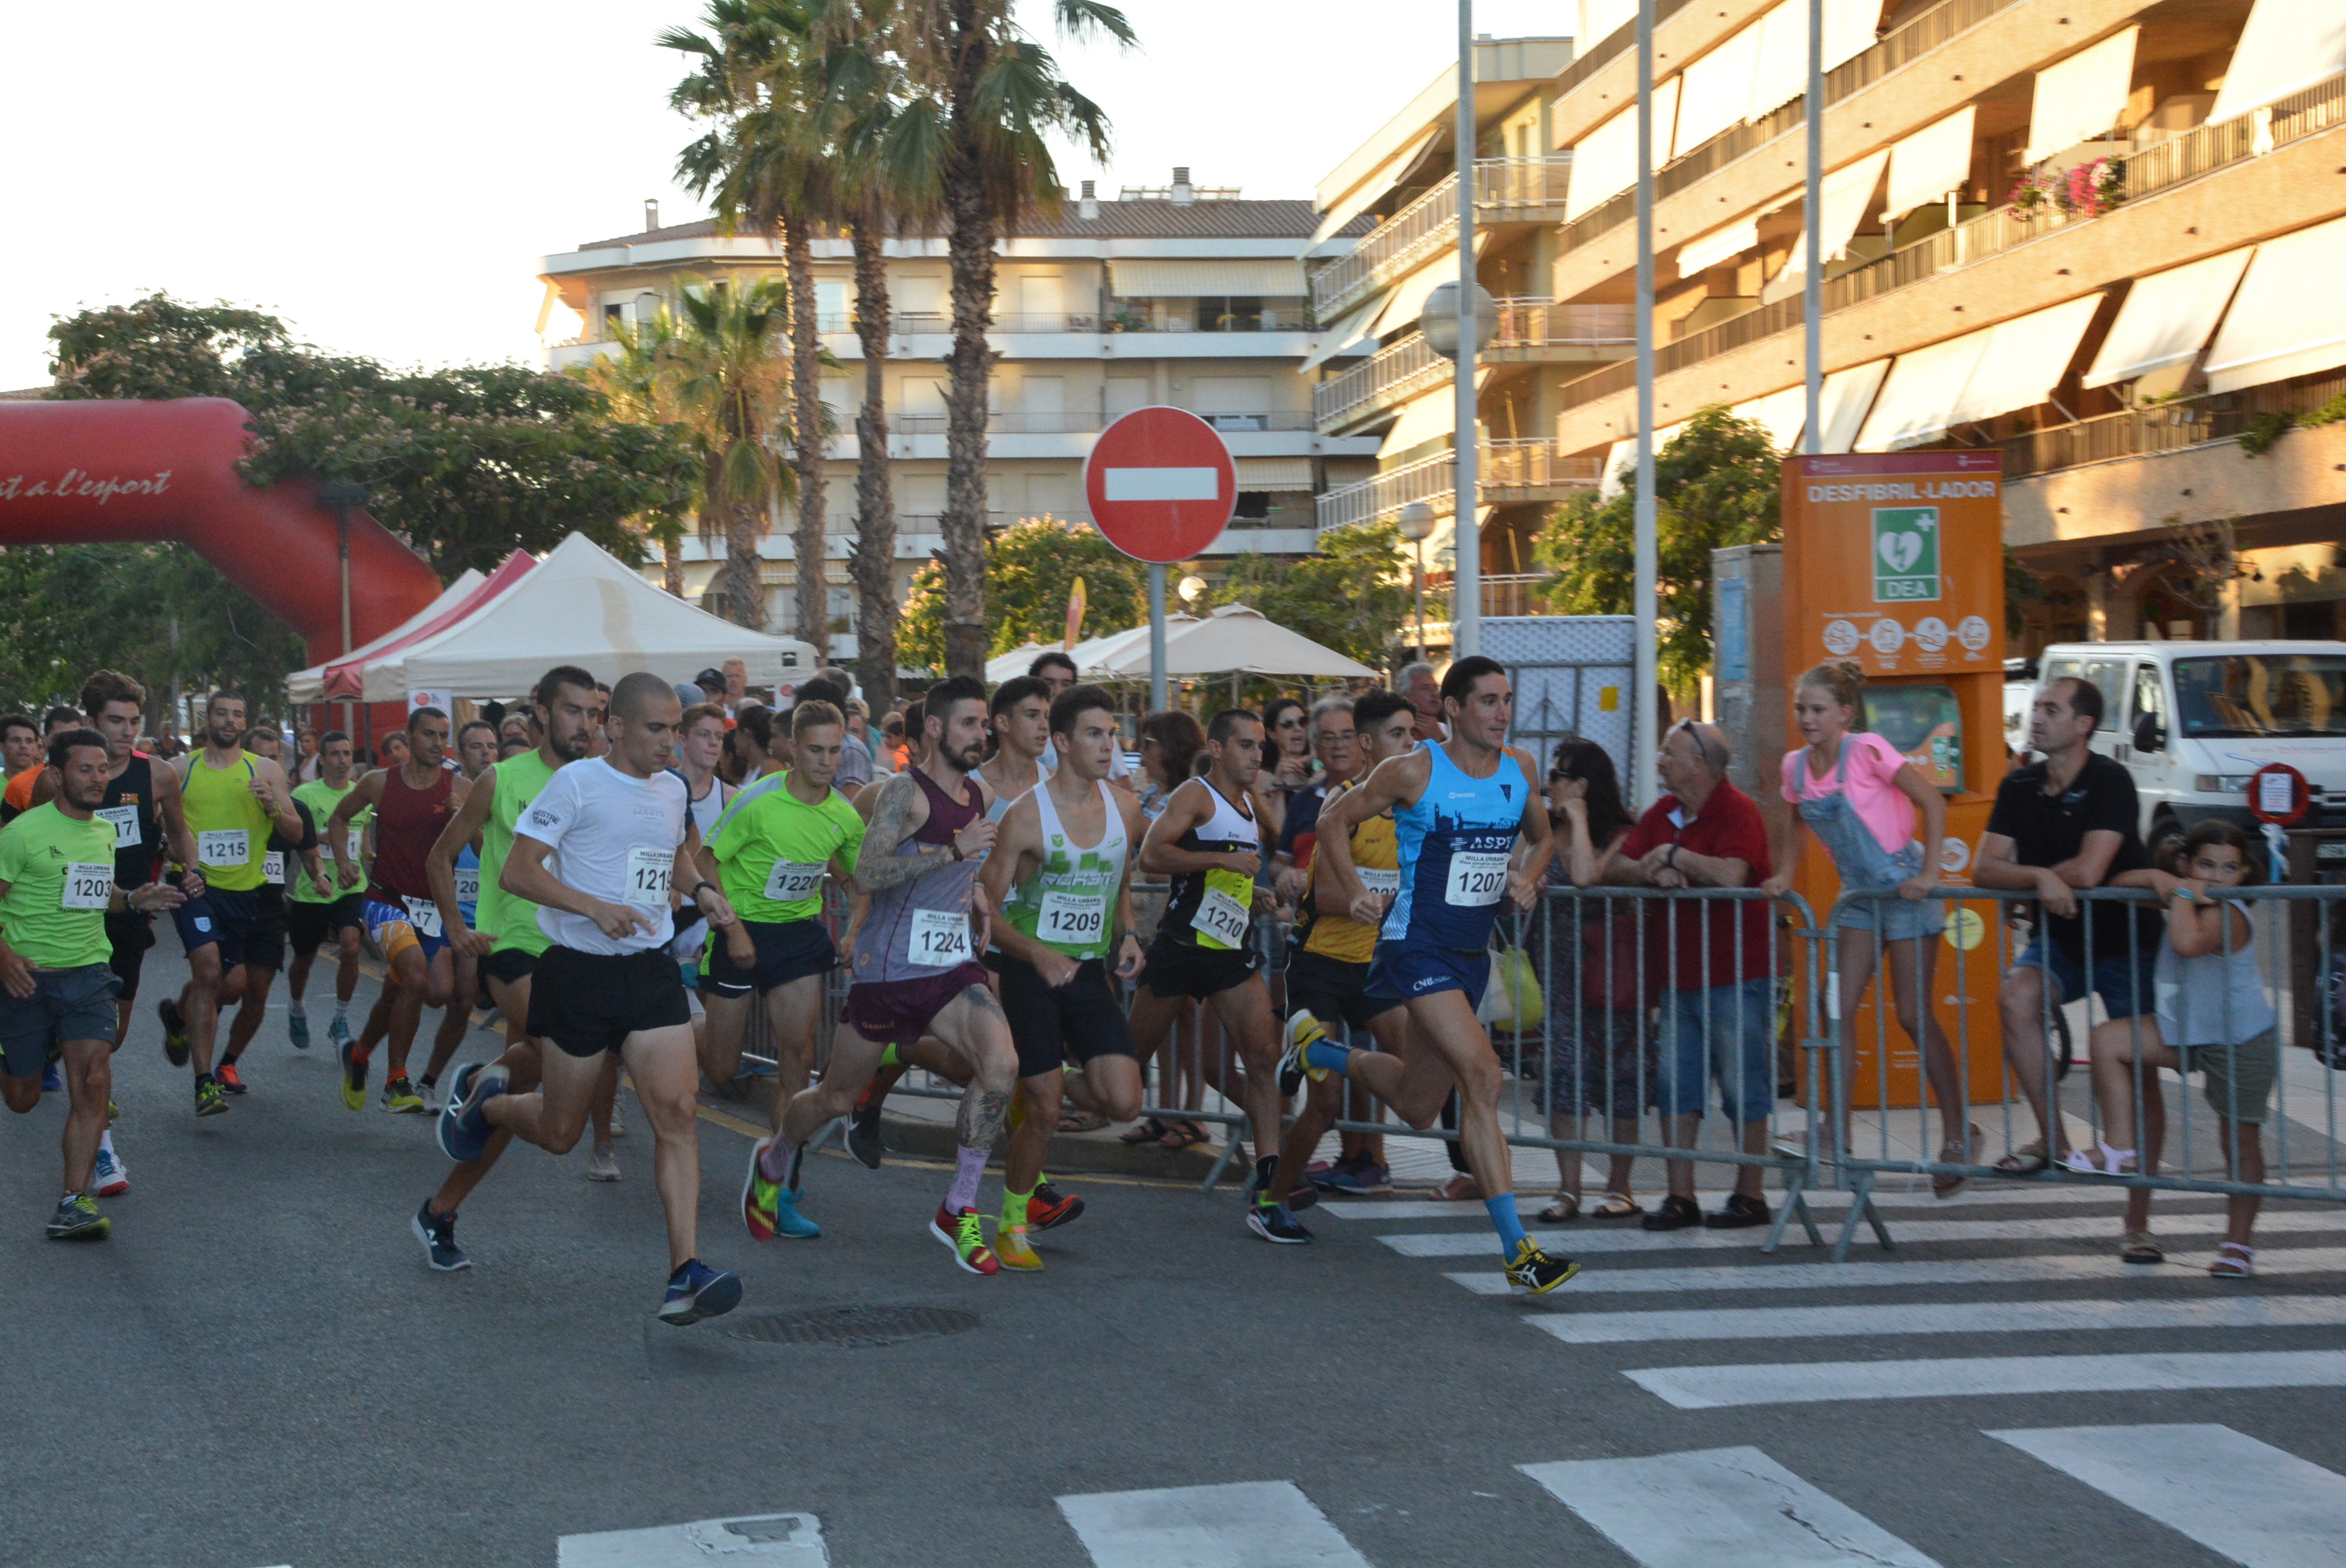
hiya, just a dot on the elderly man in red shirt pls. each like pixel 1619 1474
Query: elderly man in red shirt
pixel 1718 971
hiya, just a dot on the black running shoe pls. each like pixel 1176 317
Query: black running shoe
pixel 1533 1272
pixel 175 1032
pixel 1273 1222
pixel 437 1232
pixel 864 1131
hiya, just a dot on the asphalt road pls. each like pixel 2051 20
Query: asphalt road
pixel 258 1368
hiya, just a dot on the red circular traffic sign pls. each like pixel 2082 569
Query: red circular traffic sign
pixel 2278 794
pixel 1161 484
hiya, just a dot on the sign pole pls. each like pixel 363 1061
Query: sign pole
pixel 1645 669
pixel 1156 637
pixel 1466 568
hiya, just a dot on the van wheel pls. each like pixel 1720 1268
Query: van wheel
pixel 2166 840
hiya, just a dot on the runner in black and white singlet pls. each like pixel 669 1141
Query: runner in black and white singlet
pixel 1061 875
pixel 916 970
pixel 604 851
pixel 1208 842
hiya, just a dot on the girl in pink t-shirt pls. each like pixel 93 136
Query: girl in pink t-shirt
pixel 1862 800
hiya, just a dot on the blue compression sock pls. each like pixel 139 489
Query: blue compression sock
pixel 1328 1058
pixel 1502 1210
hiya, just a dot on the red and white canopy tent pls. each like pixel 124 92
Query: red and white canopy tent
pixel 343 679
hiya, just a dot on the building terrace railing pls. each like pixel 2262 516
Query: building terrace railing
pixel 2169 426
pixel 1519 189
pixel 1506 469
pixel 1395 374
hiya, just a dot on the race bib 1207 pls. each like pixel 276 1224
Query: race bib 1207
pixel 939 937
pixel 1475 882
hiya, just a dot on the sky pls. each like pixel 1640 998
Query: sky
pixel 384 179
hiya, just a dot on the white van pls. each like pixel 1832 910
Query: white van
pixel 2192 720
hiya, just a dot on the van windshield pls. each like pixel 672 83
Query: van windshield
pixel 2261 695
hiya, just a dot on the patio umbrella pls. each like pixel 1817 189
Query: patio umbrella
pixel 1238 639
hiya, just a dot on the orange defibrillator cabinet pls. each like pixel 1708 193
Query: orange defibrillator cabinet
pixel 1896 560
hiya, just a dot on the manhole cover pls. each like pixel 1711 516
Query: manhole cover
pixel 853 1326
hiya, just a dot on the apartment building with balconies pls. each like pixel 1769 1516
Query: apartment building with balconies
pixel 1175 294
pixel 2105 236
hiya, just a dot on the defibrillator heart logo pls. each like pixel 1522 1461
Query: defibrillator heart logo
pixel 1899 552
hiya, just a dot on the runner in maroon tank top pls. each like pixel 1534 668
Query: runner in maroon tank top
pixel 411 802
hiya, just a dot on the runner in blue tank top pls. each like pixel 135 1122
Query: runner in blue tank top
pixel 1459 809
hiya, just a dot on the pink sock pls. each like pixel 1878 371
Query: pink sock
pixel 964 1192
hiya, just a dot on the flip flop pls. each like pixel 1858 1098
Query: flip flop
pixel 2234 1260
pixel 1563 1211
pixel 2027 1160
pixel 1618 1206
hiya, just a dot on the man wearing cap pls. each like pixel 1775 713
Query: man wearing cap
pixel 712 689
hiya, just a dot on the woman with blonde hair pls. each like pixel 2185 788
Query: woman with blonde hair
pixel 1863 800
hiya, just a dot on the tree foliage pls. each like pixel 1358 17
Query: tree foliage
pixel 1715 484
pixel 1030 569
pixel 1352 596
pixel 466 464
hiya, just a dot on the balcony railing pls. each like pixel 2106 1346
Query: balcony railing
pixel 2191 155
pixel 1012 421
pixel 905 322
pixel 1504 188
pixel 1507 471
pixel 2167 426
pixel 1395 374
pixel 1514 594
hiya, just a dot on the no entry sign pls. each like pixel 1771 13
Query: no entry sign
pixel 1161 484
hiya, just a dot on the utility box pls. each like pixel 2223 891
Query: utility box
pixel 1748 673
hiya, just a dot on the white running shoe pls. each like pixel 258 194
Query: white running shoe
pixel 604 1168
pixel 435 1099
pixel 110 1176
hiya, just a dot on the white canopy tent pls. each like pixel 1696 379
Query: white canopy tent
pixel 1237 639
pixel 580 606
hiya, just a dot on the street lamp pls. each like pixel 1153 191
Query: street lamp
pixel 341 495
pixel 1438 320
pixel 1416 525
pixel 1192 588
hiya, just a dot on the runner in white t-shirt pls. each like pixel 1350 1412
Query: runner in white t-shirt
pixel 604 851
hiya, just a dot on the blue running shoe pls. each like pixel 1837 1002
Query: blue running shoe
pixel 464 1131
pixel 53 1077
pixel 1359 1178
pixel 696 1291
pixel 437 1232
pixel 338 1033
pixel 788 1221
pixel 297 1028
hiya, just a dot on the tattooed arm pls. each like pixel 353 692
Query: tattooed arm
pixel 899 812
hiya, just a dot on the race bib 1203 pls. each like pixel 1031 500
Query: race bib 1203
pixel 88 886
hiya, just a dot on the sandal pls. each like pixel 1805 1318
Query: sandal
pixel 1946 1185
pixel 2113 1162
pixel 2234 1260
pixel 1184 1133
pixel 2027 1160
pixel 1081 1121
pixel 1563 1211
pixel 1617 1206
pixel 1147 1130
pixel 2139 1247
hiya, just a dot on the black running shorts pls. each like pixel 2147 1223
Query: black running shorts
pixel 132 934
pixel 309 926
pixel 589 1003
pixel 1050 1023
pixel 1185 969
pixel 1332 990
pixel 509 966
pixel 786 951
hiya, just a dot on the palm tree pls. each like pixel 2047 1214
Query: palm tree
pixel 639 380
pixel 730 385
pixel 766 162
pixel 985 99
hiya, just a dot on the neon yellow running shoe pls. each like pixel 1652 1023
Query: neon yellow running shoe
pixel 400 1098
pixel 1012 1251
pixel 1533 1272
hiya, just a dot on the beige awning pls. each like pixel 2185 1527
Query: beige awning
pixel 1362 195
pixel 1846 397
pixel 2013 364
pixel 1274 473
pixel 1848 193
pixel 1408 298
pixel 2287 46
pixel 2080 97
pixel 1717 91
pixel 1348 336
pixel 2166 318
pixel 2289 318
pixel 1605 161
pixel 1155 278
pixel 1917 401
pixel 1425 418
pixel 1931 162
pixel 1719 245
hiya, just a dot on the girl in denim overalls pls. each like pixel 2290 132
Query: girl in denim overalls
pixel 1853 791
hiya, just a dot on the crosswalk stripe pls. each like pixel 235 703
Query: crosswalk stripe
pixel 1722 1505
pixel 1941 1318
pixel 1812 1382
pixel 755 1541
pixel 1963 1204
pixel 2061 1227
pixel 1247 1525
pixel 2258 1505
pixel 2042 1268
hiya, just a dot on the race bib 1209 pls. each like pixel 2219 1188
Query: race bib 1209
pixel 1074 920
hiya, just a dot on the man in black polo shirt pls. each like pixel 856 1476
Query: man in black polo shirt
pixel 2069 821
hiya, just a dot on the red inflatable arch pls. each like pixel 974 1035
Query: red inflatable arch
pixel 85 473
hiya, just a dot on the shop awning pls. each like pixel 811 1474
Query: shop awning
pixel 1605 161
pixel 2080 97
pixel 1931 162
pixel 2289 318
pixel 2166 318
pixel 1263 278
pixel 1274 473
pixel 2287 46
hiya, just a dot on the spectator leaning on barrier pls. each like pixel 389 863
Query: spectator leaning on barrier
pixel 1719 986
pixel 2058 825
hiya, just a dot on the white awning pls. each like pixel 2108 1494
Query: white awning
pixel 1719 245
pixel 1782 415
pixel 2289 316
pixel 1605 161
pixel 1918 401
pixel 1848 194
pixel 1348 336
pixel 1781 71
pixel 1599 20
pixel 1274 473
pixel 2166 318
pixel 1265 278
pixel 1621 460
pixel 1846 397
pixel 2080 97
pixel 1717 91
pixel 2026 359
pixel 2287 46
pixel 1363 196
pixel 1408 298
pixel 1425 418
pixel 1931 162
